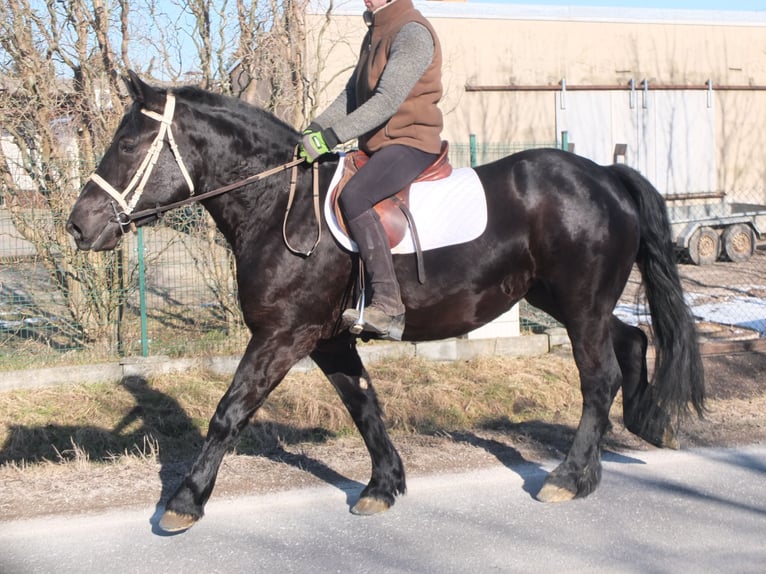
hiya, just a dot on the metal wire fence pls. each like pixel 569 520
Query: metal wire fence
pixel 170 290
pixel 173 293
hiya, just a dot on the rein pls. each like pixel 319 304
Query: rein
pixel 160 209
pixel 127 217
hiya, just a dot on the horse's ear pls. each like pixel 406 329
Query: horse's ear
pixel 141 92
pixel 135 86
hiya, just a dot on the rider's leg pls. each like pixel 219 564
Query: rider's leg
pixel 385 314
pixel 387 172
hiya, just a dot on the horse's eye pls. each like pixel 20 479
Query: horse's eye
pixel 127 146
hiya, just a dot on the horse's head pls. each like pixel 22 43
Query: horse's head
pixel 143 168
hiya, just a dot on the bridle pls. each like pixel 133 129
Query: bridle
pixel 137 184
pixel 127 217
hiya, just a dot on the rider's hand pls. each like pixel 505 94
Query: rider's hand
pixel 316 142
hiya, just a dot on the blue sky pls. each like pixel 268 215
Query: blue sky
pixel 759 5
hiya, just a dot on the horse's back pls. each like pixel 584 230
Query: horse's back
pixel 556 222
pixel 560 198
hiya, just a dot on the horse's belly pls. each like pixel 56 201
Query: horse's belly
pixel 461 312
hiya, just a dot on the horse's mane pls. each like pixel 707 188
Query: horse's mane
pixel 197 95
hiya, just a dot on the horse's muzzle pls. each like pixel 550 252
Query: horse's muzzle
pixel 104 239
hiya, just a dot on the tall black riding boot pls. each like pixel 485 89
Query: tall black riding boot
pixel 385 314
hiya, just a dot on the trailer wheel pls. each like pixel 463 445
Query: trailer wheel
pixel 738 242
pixel 704 246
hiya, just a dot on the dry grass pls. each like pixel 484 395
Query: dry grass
pixel 166 418
pixel 72 448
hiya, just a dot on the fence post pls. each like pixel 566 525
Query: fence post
pixel 472 140
pixel 142 292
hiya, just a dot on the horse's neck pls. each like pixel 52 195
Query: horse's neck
pixel 251 217
pixel 244 141
pixel 248 146
pixel 244 214
pixel 238 141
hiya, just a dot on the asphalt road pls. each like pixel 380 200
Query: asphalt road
pixel 658 511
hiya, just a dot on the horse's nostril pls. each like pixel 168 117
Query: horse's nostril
pixel 73 230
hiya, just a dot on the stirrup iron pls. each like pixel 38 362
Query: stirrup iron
pixel 358 327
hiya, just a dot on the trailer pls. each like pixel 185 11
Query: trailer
pixel 706 227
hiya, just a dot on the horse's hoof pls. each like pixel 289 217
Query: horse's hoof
pixel 174 522
pixel 553 493
pixel 368 506
pixel 670 439
pixel 662 435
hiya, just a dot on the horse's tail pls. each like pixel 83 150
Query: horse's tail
pixel 678 380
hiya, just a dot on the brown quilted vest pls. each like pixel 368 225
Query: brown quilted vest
pixel 418 121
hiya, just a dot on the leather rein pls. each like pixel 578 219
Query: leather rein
pixel 128 217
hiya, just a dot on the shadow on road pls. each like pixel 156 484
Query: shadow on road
pixel 532 473
pixel 158 426
pixel 549 441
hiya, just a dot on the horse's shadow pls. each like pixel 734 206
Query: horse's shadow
pixel 157 425
pixel 549 441
pixel 531 473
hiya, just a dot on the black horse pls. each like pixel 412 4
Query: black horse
pixel 562 232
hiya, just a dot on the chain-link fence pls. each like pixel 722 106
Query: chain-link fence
pixel 170 290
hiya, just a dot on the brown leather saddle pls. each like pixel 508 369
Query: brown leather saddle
pixel 393 211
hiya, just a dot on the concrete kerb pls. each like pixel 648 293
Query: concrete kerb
pixel 447 350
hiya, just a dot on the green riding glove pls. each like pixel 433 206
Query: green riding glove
pixel 316 142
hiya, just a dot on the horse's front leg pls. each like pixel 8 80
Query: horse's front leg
pixel 340 362
pixel 262 368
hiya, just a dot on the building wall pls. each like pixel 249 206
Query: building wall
pixel 527 46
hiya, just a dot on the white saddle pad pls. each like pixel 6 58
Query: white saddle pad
pixel 446 212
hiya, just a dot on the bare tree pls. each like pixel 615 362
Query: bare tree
pixel 61 96
pixel 57 128
pixel 269 59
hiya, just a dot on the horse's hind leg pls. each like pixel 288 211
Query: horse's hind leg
pixel 600 376
pixel 340 362
pixel 630 344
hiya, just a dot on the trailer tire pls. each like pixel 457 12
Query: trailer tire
pixel 704 246
pixel 738 242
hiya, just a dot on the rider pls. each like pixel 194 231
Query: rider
pixel 390 105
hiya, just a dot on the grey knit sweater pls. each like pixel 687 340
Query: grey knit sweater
pixel 411 53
